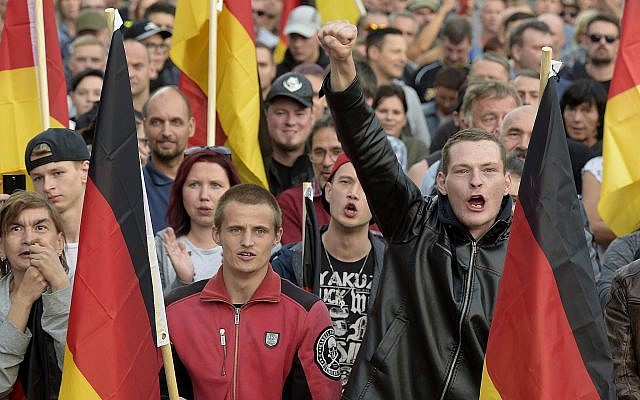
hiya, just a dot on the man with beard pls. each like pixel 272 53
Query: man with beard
pixel 601 41
pixel 169 124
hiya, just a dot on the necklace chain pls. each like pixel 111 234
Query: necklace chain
pixel 331 265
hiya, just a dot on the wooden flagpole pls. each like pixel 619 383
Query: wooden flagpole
pixel 545 68
pixel 214 6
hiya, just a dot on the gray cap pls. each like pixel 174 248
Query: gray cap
pixel 294 86
pixel 303 20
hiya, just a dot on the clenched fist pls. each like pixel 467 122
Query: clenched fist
pixel 337 38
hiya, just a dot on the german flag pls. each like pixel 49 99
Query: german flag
pixel 331 10
pixel 111 341
pixel 19 108
pixel 238 91
pixel 619 204
pixel 547 337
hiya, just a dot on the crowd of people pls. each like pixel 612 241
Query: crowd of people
pixel 412 126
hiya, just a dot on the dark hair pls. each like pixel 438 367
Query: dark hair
pixel 470 135
pixel 515 17
pixel 159 7
pixel 451 78
pixel 326 121
pixel 367 78
pixel 586 91
pixel 604 18
pixel 376 38
pixel 176 213
pixel 386 91
pixel 249 194
pixel 516 35
pixel 20 201
pixel 456 29
pixel 79 77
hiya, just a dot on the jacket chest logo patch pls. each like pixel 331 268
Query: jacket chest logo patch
pixel 271 339
pixel 326 354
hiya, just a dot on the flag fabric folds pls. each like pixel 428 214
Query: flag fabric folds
pixel 238 91
pixel 547 337
pixel 111 341
pixel 331 10
pixel 619 204
pixel 19 108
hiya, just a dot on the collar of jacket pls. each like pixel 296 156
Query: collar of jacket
pixel 268 290
pixel 498 231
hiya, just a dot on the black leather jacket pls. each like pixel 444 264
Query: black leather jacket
pixel 427 335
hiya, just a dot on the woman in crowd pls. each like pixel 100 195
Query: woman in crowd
pixel 186 250
pixel 85 91
pixel 591 182
pixel 390 107
pixel 66 13
pixel 35 296
pixel 582 105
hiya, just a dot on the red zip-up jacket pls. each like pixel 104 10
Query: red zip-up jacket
pixel 279 345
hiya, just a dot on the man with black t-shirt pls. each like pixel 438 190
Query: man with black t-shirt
pixel 289 121
pixel 350 262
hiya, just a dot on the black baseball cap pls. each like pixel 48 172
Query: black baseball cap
pixel 144 29
pixel 294 86
pixel 65 145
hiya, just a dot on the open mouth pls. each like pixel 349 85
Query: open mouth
pixel 246 255
pixel 476 202
pixel 350 210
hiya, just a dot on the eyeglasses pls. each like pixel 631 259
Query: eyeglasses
pixel 374 27
pixel 225 151
pixel 597 38
pixel 156 46
pixel 318 155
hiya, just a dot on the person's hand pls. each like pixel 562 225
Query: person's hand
pixel 179 256
pixel 3 198
pixel 337 38
pixel 448 5
pixel 46 259
pixel 31 288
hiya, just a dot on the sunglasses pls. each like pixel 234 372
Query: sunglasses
pixel 374 27
pixel 597 38
pixel 225 151
pixel 261 13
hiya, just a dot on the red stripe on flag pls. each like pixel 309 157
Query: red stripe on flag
pixel 108 311
pixel 528 315
pixel 198 102
pixel 55 74
pixel 242 11
pixel 625 75
pixel 287 6
pixel 15 47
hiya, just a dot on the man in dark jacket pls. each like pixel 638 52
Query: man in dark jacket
pixel 427 333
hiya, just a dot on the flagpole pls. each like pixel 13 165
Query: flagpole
pixel 214 5
pixel 306 187
pixel 545 68
pixel 41 67
pixel 111 17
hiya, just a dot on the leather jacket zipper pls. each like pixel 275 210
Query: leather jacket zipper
pixel 236 321
pixel 463 314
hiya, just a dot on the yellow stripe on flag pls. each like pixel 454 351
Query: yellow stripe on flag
pixel 74 384
pixel 619 204
pixel 19 114
pixel 186 53
pixel 487 389
pixel 331 10
pixel 239 103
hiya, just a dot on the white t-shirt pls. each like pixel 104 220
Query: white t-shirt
pixel 71 253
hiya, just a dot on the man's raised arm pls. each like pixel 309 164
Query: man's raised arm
pixel 337 38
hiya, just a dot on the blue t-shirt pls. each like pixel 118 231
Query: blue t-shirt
pixel 158 187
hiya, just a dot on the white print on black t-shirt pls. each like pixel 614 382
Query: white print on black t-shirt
pixel 346 295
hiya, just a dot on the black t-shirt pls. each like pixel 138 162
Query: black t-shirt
pixel 345 288
pixel 281 177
